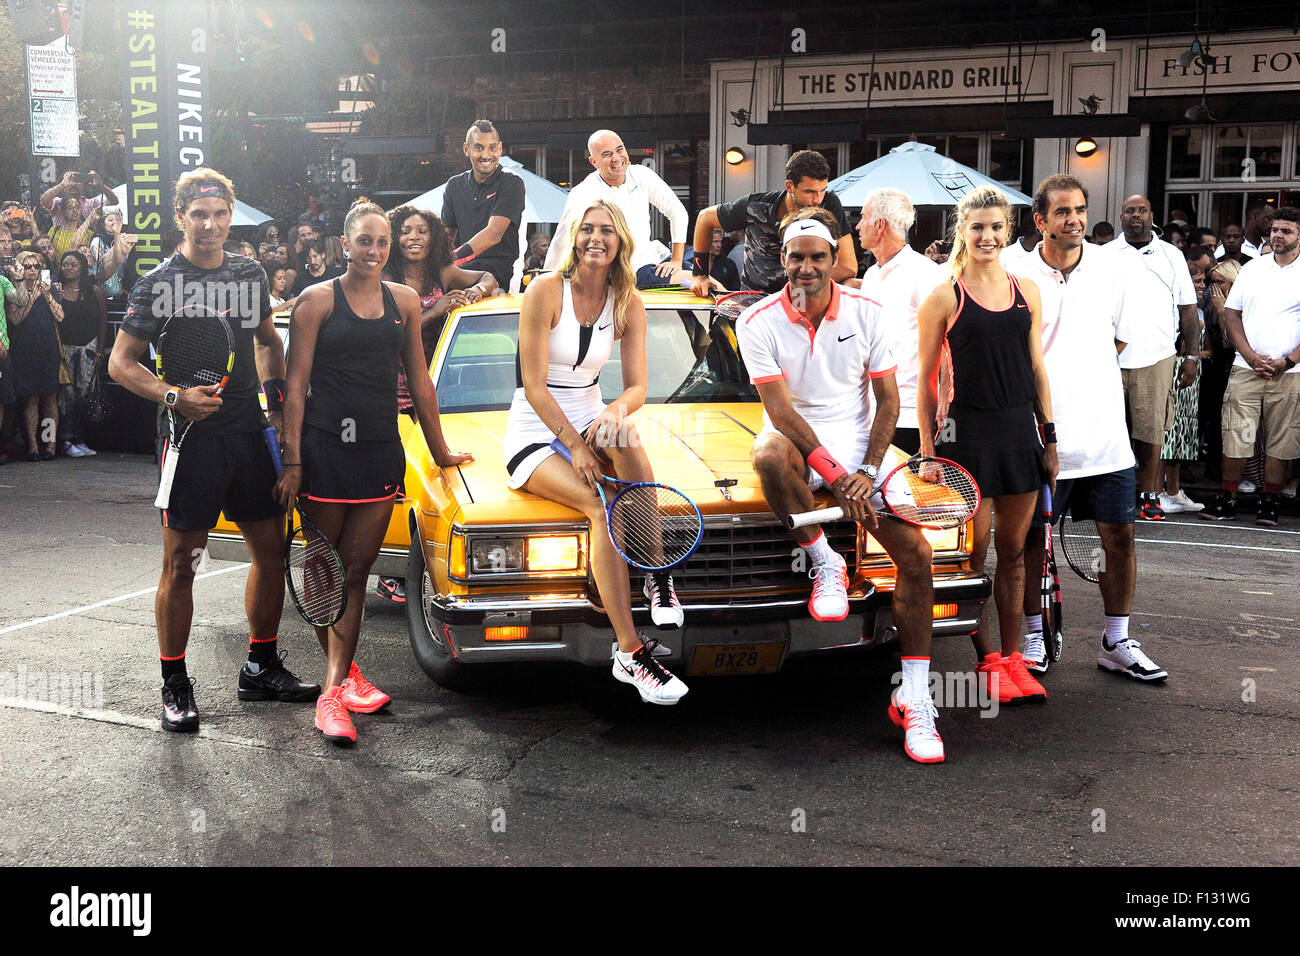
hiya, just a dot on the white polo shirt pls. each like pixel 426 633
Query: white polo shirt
pixel 1159 286
pixel 640 190
pixel 901 285
pixel 1015 253
pixel 1247 247
pixel 1082 318
pixel 1268 297
pixel 828 370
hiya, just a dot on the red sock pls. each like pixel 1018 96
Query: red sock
pixel 1272 487
pixel 1231 487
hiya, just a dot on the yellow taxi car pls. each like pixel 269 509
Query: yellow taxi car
pixel 495 575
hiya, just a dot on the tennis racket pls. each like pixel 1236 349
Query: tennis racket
pixel 653 527
pixel 1051 585
pixel 313 569
pixel 731 304
pixel 1081 543
pixel 195 347
pixel 926 492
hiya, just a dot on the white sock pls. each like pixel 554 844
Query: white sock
pixel 1116 628
pixel 821 551
pixel 623 657
pixel 916 678
pixel 1033 622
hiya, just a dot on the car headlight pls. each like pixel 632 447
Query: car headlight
pixel 945 541
pixel 496 555
pixel 554 553
pixel 550 555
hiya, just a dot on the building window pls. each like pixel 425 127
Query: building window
pixel 1217 171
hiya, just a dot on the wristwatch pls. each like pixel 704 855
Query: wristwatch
pixel 172 396
pixel 871 471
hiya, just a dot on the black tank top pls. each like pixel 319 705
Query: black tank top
pixel 353 389
pixel 991 367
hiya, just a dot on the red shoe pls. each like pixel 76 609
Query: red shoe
pixel 360 696
pixel 1014 665
pixel 332 718
pixel 995 681
pixel 921 740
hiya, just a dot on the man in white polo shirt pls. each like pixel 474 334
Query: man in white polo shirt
pixel 633 189
pixel 1025 243
pixel 1159 304
pixel 1262 317
pixel 1083 289
pixel 818 353
pixel 899 280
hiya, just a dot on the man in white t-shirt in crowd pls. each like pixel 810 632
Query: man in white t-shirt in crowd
pixel 633 189
pixel 1083 288
pixel 1255 238
pixel 817 353
pixel 900 279
pixel 1262 318
pixel 1027 238
pixel 1159 305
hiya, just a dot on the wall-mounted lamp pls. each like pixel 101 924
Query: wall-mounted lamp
pixel 735 156
pixel 1086 146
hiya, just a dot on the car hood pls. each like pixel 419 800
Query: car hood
pixel 690 446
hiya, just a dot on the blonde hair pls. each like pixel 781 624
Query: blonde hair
pixel 1227 270
pixel 981 197
pixel 622 277
pixel 26 254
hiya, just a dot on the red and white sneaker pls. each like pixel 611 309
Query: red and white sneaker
pixel 360 696
pixel 1014 666
pixel 332 718
pixel 654 682
pixel 830 595
pixel 996 682
pixel 921 739
pixel 665 610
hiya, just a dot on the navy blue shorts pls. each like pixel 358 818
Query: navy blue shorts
pixel 1109 498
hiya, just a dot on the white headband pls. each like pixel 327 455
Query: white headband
pixel 806 227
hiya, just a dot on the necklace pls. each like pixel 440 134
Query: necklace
pixel 585 323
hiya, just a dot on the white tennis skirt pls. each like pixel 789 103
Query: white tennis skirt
pixel 528 439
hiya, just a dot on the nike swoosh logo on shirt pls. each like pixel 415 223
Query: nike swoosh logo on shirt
pixel 489 195
pixel 602 328
pixel 845 338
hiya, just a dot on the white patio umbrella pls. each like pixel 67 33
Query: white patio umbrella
pixel 543 202
pixel 245 215
pixel 928 177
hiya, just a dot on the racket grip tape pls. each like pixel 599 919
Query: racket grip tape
pixel 273 446
pixel 805 518
pixel 1047 501
pixel 561 449
pixel 168 475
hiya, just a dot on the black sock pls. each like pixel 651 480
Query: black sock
pixel 172 667
pixel 262 652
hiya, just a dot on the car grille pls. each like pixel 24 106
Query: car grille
pixel 754 557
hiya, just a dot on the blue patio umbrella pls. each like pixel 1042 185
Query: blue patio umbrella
pixel 929 178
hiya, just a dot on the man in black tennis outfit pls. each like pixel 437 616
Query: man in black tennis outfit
pixel 806 177
pixel 226 465
pixel 482 207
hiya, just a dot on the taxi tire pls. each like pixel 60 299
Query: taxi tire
pixel 432 655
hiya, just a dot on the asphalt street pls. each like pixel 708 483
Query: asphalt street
pixel 561 765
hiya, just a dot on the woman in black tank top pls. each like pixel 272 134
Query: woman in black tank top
pixel 348 339
pixel 991 322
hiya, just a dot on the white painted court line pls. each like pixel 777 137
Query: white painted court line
pixel 1225 526
pixel 127 720
pixel 1204 544
pixel 114 600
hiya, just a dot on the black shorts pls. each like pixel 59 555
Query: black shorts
pixel 350 472
pixel 233 474
pixel 6 381
pixel 1110 498
pixel 908 440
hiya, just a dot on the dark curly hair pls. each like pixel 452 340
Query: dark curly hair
pixel 439 248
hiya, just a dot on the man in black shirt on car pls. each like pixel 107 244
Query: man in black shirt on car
pixel 806 176
pixel 483 206
pixel 226 466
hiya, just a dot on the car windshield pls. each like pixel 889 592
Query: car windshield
pixel 686 360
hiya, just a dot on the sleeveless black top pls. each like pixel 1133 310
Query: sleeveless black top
pixel 353 388
pixel 991 367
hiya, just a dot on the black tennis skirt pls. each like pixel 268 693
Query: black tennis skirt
pixel 999 447
pixel 350 472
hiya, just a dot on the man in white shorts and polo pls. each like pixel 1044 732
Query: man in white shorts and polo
pixel 818 353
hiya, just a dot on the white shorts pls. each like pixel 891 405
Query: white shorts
pixel 848 449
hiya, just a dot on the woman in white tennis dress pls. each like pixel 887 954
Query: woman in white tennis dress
pixel 567 328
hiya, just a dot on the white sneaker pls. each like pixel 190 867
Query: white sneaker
pixel 86 449
pixel 1035 653
pixel 921 739
pixel 665 610
pixel 1247 487
pixel 1170 504
pixel 830 596
pixel 656 649
pixel 1187 503
pixel 1127 658
pixel 654 682
pixel 73 451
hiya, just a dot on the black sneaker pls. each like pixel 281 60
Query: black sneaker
pixel 273 681
pixel 179 713
pixel 392 588
pixel 1267 511
pixel 1223 509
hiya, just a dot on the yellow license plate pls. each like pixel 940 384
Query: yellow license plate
pixel 735 659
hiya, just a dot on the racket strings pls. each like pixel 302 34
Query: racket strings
pixel 730 306
pixel 934 491
pixel 1081 542
pixel 654 526
pixel 194 351
pixel 316 578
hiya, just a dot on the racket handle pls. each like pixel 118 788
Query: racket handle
pixel 805 518
pixel 561 449
pixel 1047 501
pixel 273 445
pixel 164 497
